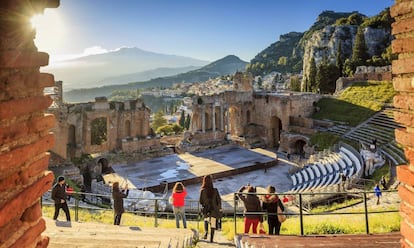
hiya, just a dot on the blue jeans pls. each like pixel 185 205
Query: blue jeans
pixel 179 212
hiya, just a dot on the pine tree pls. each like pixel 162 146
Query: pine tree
pixel 359 51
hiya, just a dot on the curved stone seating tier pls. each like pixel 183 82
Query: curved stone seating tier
pixel 346 158
pixel 293 177
pixel 326 171
pixel 310 173
pixel 355 160
pixel 316 171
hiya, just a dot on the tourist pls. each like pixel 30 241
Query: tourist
pixel 378 193
pixel 59 197
pixel 343 180
pixel 118 196
pixel 270 204
pixel 178 201
pixel 383 183
pixel 252 208
pixel 69 192
pixel 210 205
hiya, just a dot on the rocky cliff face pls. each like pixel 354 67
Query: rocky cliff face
pixel 325 42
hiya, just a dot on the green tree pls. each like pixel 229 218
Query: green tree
pixel 165 129
pixel 282 60
pixel 294 83
pixel 339 58
pixel 312 75
pixel 359 51
pixel 326 78
pixel 177 128
pixel 158 120
pixel 187 122
pixel 182 119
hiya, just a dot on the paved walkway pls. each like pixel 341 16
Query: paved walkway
pixel 219 241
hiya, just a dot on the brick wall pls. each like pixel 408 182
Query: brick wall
pixel 403 80
pixel 24 127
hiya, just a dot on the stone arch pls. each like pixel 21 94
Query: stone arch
pixel 297 145
pixel 104 165
pixel 127 128
pixel 99 131
pixel 275 130
pixel 379 77
pixel 235 119
pixel 217 119
pixel 207 119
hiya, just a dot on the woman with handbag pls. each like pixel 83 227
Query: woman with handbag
pixel 211 205
pixel 274 209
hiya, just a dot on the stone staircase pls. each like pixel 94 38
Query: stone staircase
pixel 91 235
pixel 381 127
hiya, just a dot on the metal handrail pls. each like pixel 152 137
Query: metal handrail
pixel 195 212
pixel 301 204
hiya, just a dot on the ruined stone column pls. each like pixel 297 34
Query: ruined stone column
pixel 203 118
pixel 213 117
pixel 221 118
pixel 403 80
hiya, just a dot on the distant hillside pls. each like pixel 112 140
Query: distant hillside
pixel 91 71
pixel 225 66
pixel 294 50
pixel 281 56
pixel 146 75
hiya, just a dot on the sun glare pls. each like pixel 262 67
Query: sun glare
pixel 50 31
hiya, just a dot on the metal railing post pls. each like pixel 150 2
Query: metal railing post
pixel 234 213
pixel 76 209
pixel 366 213
pixel 156 213
pixel 300 214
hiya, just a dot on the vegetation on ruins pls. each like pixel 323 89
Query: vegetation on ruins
pixel 158 120
pixel 356 104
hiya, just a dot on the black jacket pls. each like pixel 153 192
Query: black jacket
pixel 270 204
pixel 59 193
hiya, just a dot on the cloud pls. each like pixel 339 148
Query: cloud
pixel 93 50
pixel 86 52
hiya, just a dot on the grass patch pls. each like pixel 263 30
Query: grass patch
pixel 335 206
pixel 357 103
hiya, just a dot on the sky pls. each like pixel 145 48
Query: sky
pixel 202 29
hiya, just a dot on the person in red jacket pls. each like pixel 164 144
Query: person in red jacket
pixel 178 201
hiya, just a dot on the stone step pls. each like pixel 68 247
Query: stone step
pixel 87 235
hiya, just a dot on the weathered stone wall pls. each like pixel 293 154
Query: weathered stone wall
pixel 24 127
pixel 282 107
pixel 73 129
pixel 403 80
pixel 141 145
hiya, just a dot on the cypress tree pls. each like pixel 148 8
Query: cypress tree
pixel 339 62
pixel 359 51
pixel 182 119
pixel 187 122
pixel 312 75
